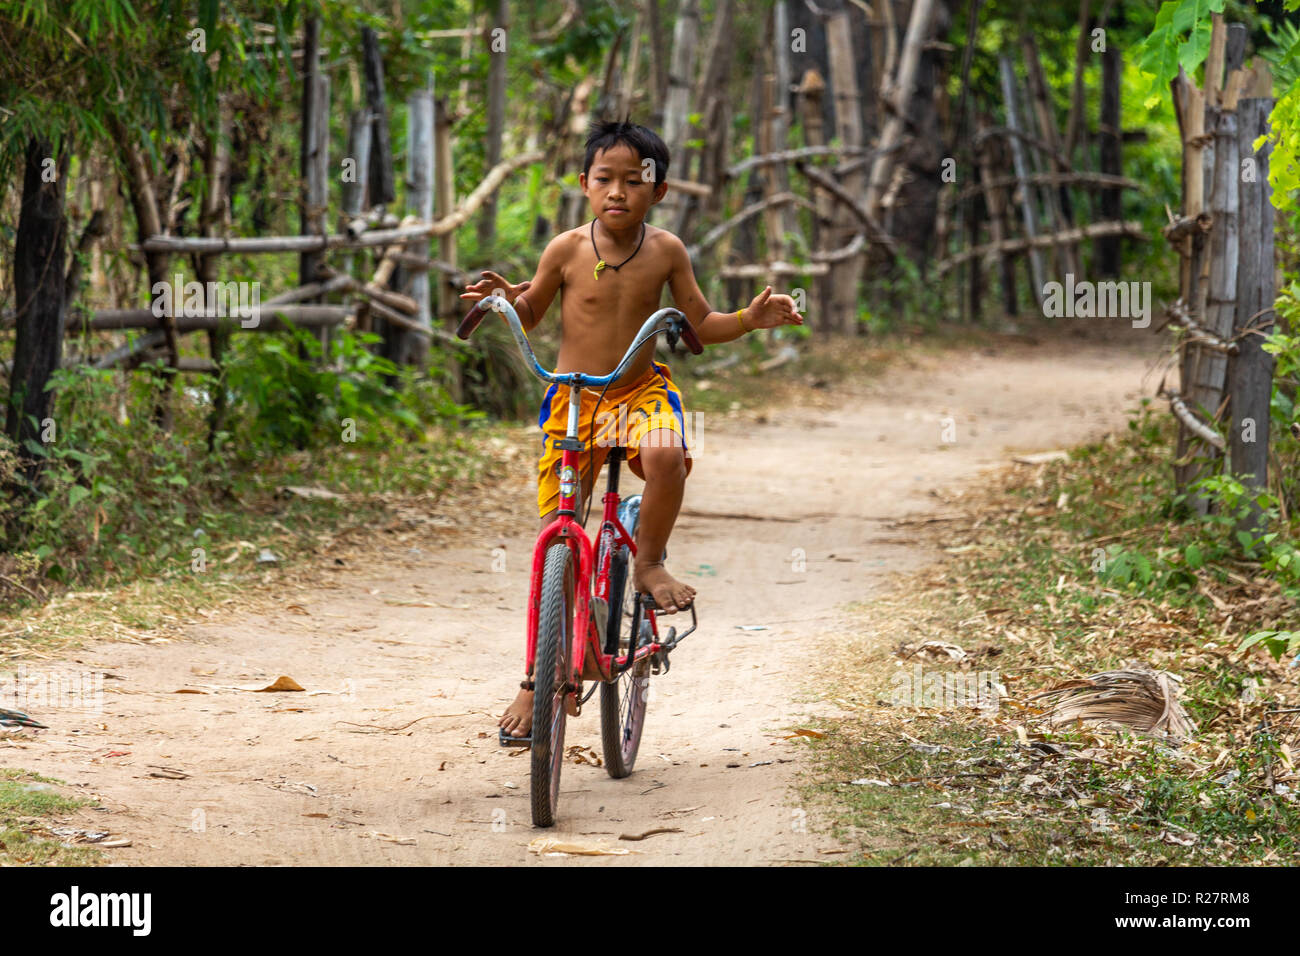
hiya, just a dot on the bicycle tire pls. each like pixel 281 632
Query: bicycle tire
pixel 623 700
pixel 550 677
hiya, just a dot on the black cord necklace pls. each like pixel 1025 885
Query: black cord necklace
pixel 601 263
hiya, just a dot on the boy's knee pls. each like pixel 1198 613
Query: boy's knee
pixel 663 461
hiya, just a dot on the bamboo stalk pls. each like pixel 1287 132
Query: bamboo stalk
pixel 1131 229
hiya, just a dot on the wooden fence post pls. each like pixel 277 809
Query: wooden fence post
pixel 383 185
pixel 1251 369
pixel 1106 249
pixel 844 276
pixel 1029 213
pixel 313 159
pixel 413 348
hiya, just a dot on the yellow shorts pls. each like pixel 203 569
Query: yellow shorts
pixel 625 416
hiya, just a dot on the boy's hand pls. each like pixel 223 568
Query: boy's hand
pixel 493 284
pixel 767 311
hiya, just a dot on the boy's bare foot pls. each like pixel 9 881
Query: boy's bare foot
pixel 517 721
pixel 670 594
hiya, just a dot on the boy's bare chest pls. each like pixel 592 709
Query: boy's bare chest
pixel 620 286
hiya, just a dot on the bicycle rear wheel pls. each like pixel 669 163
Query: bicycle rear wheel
pixel 551 681
pixel 623 700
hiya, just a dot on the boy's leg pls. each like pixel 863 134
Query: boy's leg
pixel 664 464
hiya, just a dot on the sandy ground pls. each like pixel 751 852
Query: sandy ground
pixel 786 521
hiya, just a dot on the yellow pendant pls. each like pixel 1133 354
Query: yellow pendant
pixel 596 273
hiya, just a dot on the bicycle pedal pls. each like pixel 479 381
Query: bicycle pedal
pixel 509 741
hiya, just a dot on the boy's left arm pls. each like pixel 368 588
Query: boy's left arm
pixel 765 311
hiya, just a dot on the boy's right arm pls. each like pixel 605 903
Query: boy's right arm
pixel 541 288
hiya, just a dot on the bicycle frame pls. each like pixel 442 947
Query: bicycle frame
pixel 565 526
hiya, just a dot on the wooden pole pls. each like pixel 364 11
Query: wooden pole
pixel 1107 250
pixel 444 199
pixel 496 120
pixel 1058 197
pixel 1028 212
pixel 314 158
pixel 897 100
pixel 681 73
pixel 1082 47
pixel 1207 368
pixel 414 348
pixel 354 189
pixel 383 185
pixel 846 275
pixel 1251 369
pixel 217 164
pixel 811 90
pixel 996 203
pixel 377 237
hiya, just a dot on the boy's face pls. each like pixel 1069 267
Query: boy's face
pixel 621 187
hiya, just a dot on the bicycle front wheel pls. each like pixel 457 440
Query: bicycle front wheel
pixel 551 681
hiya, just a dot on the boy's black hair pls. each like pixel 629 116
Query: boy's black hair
pixel 605 134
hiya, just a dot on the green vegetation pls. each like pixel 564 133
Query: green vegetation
pixel 27 800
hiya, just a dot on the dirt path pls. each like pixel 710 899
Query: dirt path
pixel 279 778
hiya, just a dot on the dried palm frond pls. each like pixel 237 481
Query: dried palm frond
pixel 1135 699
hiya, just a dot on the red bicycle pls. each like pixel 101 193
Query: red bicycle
pixel 574 591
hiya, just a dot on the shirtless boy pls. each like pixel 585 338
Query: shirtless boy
pixel 613 271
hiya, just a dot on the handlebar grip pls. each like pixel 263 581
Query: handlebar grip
pixel 691 337
pixel 472 318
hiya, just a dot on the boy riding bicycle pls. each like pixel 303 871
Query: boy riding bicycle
pixel 613 271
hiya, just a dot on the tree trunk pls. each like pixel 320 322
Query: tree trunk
pixel 39 292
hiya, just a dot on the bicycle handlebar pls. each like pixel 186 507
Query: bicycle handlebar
pixel 674 322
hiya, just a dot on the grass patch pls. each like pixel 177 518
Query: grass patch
pixel 28 801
